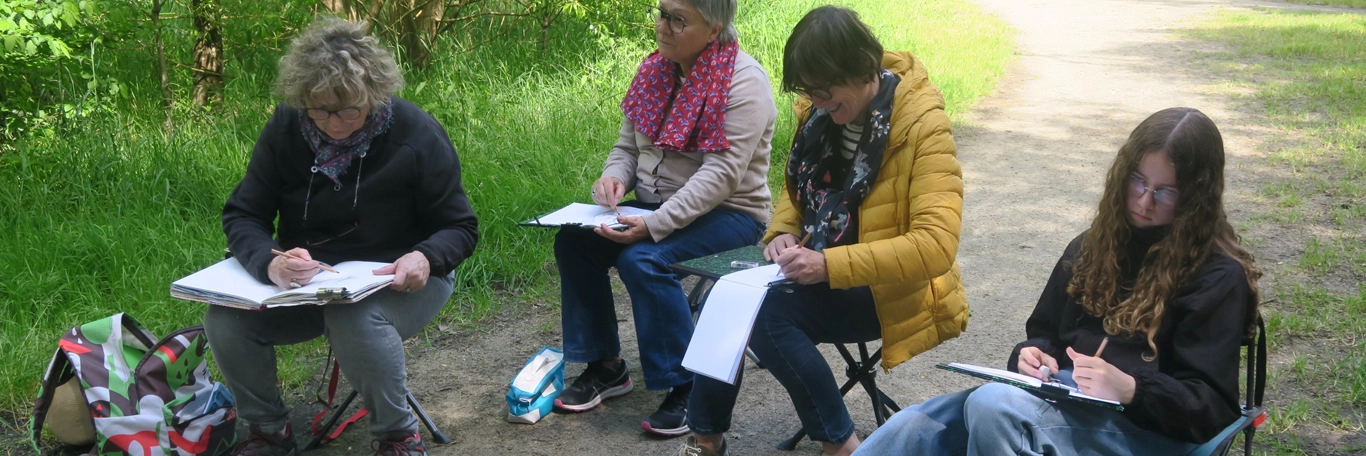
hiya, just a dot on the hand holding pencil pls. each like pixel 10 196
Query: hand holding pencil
pixel 294 268
pixel 799 264
pixel 1099 378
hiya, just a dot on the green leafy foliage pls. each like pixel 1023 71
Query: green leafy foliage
pixel 102 211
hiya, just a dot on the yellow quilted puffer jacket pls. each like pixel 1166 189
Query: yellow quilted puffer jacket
pixel 909 224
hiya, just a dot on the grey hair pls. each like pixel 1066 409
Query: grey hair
pixel 718 12
pixel 333 56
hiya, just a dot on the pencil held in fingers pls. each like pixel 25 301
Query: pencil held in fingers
pixel 1101 349
pixel 292 256
pixel 800 244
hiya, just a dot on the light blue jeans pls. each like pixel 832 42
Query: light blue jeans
pixel 997 419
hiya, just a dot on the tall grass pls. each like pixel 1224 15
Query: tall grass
pixel 99 217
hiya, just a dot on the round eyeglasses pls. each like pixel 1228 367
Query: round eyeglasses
pixel 343 114
pixel 1163 196
pixel 676 22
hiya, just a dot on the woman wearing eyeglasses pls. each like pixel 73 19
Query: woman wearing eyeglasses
pixel 342 171
pixel 873 180
pixel 1160 281
pixel 694 146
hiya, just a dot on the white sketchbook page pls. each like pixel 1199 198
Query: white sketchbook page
pixel 722 332
pixel 761 276
pixel 1031 381
pixel 354 276
pixel 228 278
pixel 587 214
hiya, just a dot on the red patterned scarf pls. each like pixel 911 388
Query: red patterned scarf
pixel 697 122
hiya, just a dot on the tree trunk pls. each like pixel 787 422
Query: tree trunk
pixel 167 97
pixel 208 53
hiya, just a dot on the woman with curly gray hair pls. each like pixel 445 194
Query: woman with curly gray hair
pixel 343 171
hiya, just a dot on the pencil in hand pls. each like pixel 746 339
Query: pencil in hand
pixel 800 244
pixel 321 265
pixel 1101 349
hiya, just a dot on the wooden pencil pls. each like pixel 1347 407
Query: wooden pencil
pixel 292 256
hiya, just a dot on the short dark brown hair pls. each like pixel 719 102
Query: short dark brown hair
pixel 830 46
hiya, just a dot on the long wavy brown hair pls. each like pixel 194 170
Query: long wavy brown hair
pixel 1199 229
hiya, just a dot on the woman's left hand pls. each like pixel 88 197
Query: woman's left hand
pixel 410 272
pixel 803 265
pixel 636 230
pixel 1098 378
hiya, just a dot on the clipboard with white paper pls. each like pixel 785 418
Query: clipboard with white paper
pixel 587 216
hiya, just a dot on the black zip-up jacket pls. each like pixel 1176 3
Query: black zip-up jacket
pixel 1190 392
pixel 409 198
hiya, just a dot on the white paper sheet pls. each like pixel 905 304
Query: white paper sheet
pixel 722 332
pixel 586 214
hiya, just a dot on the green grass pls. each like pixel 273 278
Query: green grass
pixel 1306 72
pixel 1347 3
pixel 99 215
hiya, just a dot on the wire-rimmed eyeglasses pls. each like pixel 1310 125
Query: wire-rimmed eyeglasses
pixel 1163 196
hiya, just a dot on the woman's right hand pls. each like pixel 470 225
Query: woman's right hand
pixel 777 245
pixel 608 191
pixel 287 272
pixel 1030 360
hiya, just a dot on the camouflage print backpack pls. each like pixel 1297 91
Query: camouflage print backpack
pixel 146 397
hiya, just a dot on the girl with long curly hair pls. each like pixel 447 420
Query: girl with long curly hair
pixel 1161 280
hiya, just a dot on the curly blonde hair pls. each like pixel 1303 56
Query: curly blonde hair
pixel 336 57
pixel 1200 228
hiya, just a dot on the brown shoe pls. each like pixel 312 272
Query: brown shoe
pixel 259 443
pixel 691 448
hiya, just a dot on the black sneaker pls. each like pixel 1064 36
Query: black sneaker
pixel 593 385
pixel 399 443
pixel 672 417
pixel 259 443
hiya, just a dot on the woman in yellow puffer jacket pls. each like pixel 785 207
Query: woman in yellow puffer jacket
pixel 874 182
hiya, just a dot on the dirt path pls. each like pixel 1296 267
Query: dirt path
pixel 1033 156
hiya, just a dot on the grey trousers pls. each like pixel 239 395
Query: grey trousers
pixel 366 337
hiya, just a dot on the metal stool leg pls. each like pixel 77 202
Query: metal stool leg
pixel 437 436
pixel 862 371
pixel 336 415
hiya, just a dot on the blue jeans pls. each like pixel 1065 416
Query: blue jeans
pixel 791 322
pixel 997 419
pixel 663 320
pixel 366 337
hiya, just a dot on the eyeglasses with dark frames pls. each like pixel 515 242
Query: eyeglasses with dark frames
pixel 814 94
pixel 343 114
pixel 676 22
